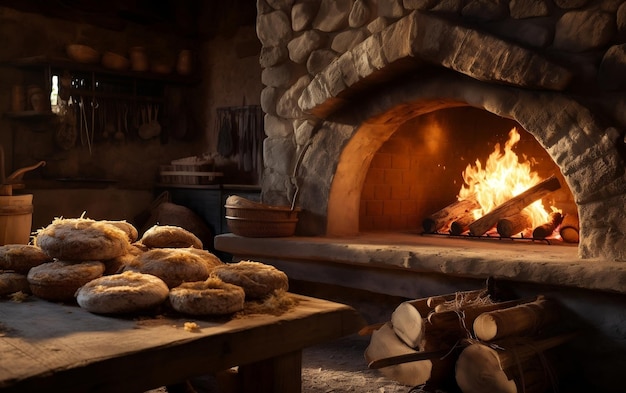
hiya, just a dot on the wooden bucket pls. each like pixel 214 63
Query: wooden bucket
pixel 16 218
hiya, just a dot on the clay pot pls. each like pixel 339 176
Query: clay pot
pixel 138 58
pixel 184 64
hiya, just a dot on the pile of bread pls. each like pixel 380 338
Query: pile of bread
pixel 105 268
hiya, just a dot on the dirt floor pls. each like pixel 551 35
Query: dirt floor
pixel 335 367
pixel 339 366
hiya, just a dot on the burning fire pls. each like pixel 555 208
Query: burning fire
pixel 502 178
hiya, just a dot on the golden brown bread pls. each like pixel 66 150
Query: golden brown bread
pixel 11 282
pixel 59 280
pixel 82 239
pixel 21 257
pixel 175 265
pixel 210 297
pixel 257 279
pixel 170 236
pixel 123 293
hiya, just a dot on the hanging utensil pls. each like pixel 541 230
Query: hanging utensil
pixel 14 180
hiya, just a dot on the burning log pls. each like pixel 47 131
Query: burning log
pixel 516 366
pixel 521 320
pixel 512 225
pixel 514 205
pixel 569 228
pixel 546 229
pixel 461 225
pixel 452 212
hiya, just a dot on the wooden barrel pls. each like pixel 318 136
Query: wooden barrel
pixel 16 218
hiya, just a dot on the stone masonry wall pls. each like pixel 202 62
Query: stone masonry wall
pixel 333 69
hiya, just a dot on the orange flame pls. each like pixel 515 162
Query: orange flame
pixel 502 178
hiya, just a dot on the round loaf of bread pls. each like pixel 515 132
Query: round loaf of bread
pixel 257 279
pixel 170 236
pixel 127 227
pixel 123 293
pixel 82 239
pixel 116 265
pixel 11 282
pixel 21 257
pixel 59 280
pixel 175 265
pixel 209 297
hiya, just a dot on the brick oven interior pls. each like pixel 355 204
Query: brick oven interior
pixel 371 110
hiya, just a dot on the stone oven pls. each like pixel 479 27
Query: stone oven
pixel 346 80
pixel 369 70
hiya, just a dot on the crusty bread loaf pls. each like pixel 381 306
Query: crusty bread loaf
pixel 59 280
pixel 123 293
pixel 170 236
pixel 209 297
pixel 116 265
pixel 82 239
pixel 11 282
pixel 21 257
pixel 127 227
pixel 174 265
pixel 257 279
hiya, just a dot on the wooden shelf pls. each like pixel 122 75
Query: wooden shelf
pixel 61 63
pixel 29 115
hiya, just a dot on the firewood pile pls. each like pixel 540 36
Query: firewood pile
pixel 467 341
pixel 507 218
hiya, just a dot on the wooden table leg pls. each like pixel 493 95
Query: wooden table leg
pixel 281 374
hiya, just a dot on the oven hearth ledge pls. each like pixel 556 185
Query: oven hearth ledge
pixel 325 259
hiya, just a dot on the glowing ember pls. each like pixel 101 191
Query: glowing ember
pixel 502 178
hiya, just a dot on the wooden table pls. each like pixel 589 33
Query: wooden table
pixel 49 347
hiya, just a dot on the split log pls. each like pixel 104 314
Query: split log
pixel 514 205
pixel 464 318
pixel 515 367
pixel 452 212
pixel 509 226
pixel 569 228
pixel 407 321
pixel 408 318
pixel 385 344
pixel 546 229
pixel 521 320
pixel 461 225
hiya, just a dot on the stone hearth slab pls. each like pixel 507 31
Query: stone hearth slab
pixel 520 260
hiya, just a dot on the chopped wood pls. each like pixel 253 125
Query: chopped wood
pixel 448 214
pixel 385 344
pixel 408 324
pixel 461 225
pixel 462 296
pixel 453 319
pixel 569 228
pixel 546 229
pixel 408 318
pixel 514 367
pixel 514 205
pixel 512 225
pixel 521 320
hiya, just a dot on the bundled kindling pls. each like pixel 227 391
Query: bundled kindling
pixel 465 336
